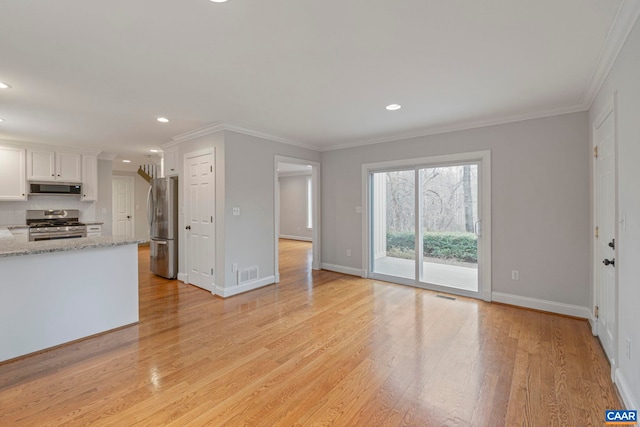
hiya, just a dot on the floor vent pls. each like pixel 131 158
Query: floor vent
pixel 247 275
pixel 446 297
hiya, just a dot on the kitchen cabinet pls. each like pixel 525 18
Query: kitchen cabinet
pixel 46 165
pixel 21 235
pixel 170 162
pixel 94 230
pixel 13 182
pixel 89 178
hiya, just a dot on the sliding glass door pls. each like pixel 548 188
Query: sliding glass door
pixel 426 224
pixel 449 221
pixel 394 224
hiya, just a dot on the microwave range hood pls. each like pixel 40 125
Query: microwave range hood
pixel 55 189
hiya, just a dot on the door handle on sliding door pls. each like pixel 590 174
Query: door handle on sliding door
pixel 477 228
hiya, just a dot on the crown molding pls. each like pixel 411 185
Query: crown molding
pixel 40 146
pixel 625 19
pixel 193 134
pixel 220 126
pixel 463 126
pixel 269 137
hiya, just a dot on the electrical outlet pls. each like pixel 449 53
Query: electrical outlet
pixel 348 252
pixel 236 211
pixel 627 348
pixel 515 275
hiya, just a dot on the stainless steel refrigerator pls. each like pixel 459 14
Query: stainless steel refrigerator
pixel 162 212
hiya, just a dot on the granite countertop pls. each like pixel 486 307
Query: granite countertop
pixel 92 222
pixel 12 248
pixel 13 227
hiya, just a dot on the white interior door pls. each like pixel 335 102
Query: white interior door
pixel 122 198
pixel 605 242
pixel 199 220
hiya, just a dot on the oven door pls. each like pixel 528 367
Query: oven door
pixel 38 237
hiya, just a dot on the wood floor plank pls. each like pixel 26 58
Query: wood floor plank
pixel 319 348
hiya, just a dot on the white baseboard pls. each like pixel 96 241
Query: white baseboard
pixel 543 305
pixel 629 400
pixel 290 237
pixel 183 277
pixel 228 291
pixel 342 269
pixel 593 322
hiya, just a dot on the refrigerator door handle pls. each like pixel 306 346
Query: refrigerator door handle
pixel 149 214
pixel 159 242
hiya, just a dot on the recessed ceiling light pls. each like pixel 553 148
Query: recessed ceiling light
pixel 163 120
pixel 4 86
pixel 218 1
pixel 1 120
pixel 308 166
pixel 393 107
pixel 126 161
pixel 153 151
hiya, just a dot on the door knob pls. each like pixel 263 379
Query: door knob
pixel 188 227
pixel 612 244
pixel 612 262
pixel 128 216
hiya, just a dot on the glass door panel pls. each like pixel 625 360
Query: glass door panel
pixel 449 221
pixel 393 226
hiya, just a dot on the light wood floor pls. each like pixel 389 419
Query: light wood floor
pixel 320 348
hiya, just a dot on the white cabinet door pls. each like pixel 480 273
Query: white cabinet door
pixel 13 183
pixel 89 178
pixel 41 165
pixel 94 230
pixel 170 163
pixel 68 167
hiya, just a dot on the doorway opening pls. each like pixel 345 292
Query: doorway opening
pixel 297 210
pixel 428 223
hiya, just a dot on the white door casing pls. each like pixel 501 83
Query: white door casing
pixel 199 219
pixel 122 207
pixel 605 221
pixel 316 216
pixel 483 159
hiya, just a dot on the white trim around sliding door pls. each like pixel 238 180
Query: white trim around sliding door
pixel 482 157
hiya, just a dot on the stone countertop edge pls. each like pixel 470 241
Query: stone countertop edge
pixel 13 227
pixel 92 223
pixel 12 248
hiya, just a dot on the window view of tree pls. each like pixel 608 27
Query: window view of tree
pixel 449 213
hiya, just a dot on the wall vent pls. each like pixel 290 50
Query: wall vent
pixel 247 274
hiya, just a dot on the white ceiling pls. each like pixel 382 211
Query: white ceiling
pixel 318 74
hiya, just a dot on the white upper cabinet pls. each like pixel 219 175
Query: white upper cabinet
pixel 13 177
pixel 170 162
pixel 69 167
pixel 45 165
pixel 89 178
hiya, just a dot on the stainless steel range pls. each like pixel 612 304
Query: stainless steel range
pixel 55 224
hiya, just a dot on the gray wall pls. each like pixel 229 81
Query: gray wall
pixel 540 206
pixel 624 80
pixel 250 237
pixel 103 205
pixel 293 207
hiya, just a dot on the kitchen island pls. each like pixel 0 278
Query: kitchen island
pixel 53 292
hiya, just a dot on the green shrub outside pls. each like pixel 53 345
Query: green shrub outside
pixel 446 245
